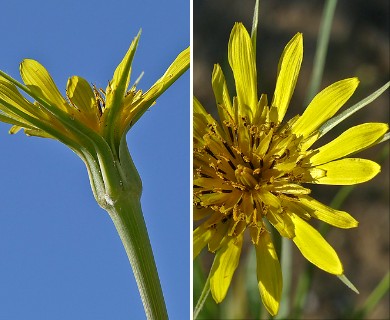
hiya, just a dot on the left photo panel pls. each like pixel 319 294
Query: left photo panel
pixel 95 160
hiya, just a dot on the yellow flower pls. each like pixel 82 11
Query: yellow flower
pixel 109 113
pixel 91 122
pixel 251 167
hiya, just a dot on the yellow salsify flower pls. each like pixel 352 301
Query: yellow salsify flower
pixel 250 168
pixel 109 113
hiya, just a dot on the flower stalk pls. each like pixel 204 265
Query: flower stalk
pixel 122 202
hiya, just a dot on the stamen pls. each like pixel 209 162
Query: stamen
pixel 245 176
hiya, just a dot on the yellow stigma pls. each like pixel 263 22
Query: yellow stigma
pixel 244 175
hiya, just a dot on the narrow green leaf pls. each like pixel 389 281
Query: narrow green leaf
pixel 374 298
pixel 331 123
pixel 255 23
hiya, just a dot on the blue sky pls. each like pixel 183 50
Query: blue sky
pixel 61 257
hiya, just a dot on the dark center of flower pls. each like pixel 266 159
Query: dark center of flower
pixel 244 172
pixel 244 175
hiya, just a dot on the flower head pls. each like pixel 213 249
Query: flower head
pixel 92 122
pixel 251 167
pixel 85 110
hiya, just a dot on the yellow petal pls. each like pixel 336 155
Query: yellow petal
pixel 291 188
pixel 14 129
pixel 215 198
pixel 324 105
pixel 16 109
pixel 348 171
pixel 221 94
pixel 174 71
pixel 340 219
pixel 39 81
pixel 198 108
pixel 11 95
pixel 201 236
pixel 225 263
pixel 289 66
pixel 269 199
pixel 243 63
pixel 269 274
pixel 37 133
pixel 315 248
pixel 12 120
pixel 353 140
pixel 80 93
pixel 219 236
pixel 202 121
pixel 201 213
pixel 282 223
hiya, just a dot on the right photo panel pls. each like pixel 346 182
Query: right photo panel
pixel 290 159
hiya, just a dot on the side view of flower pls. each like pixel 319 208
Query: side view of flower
pixel 93 123
pixel 253 168
pixel 89 121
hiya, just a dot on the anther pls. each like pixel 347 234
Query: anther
pixel 244 175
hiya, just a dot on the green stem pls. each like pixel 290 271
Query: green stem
pixel 322 48
pixel 255 23
pixel 286 264
pixel 127 216
pixel 122 202
pixel 202 299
